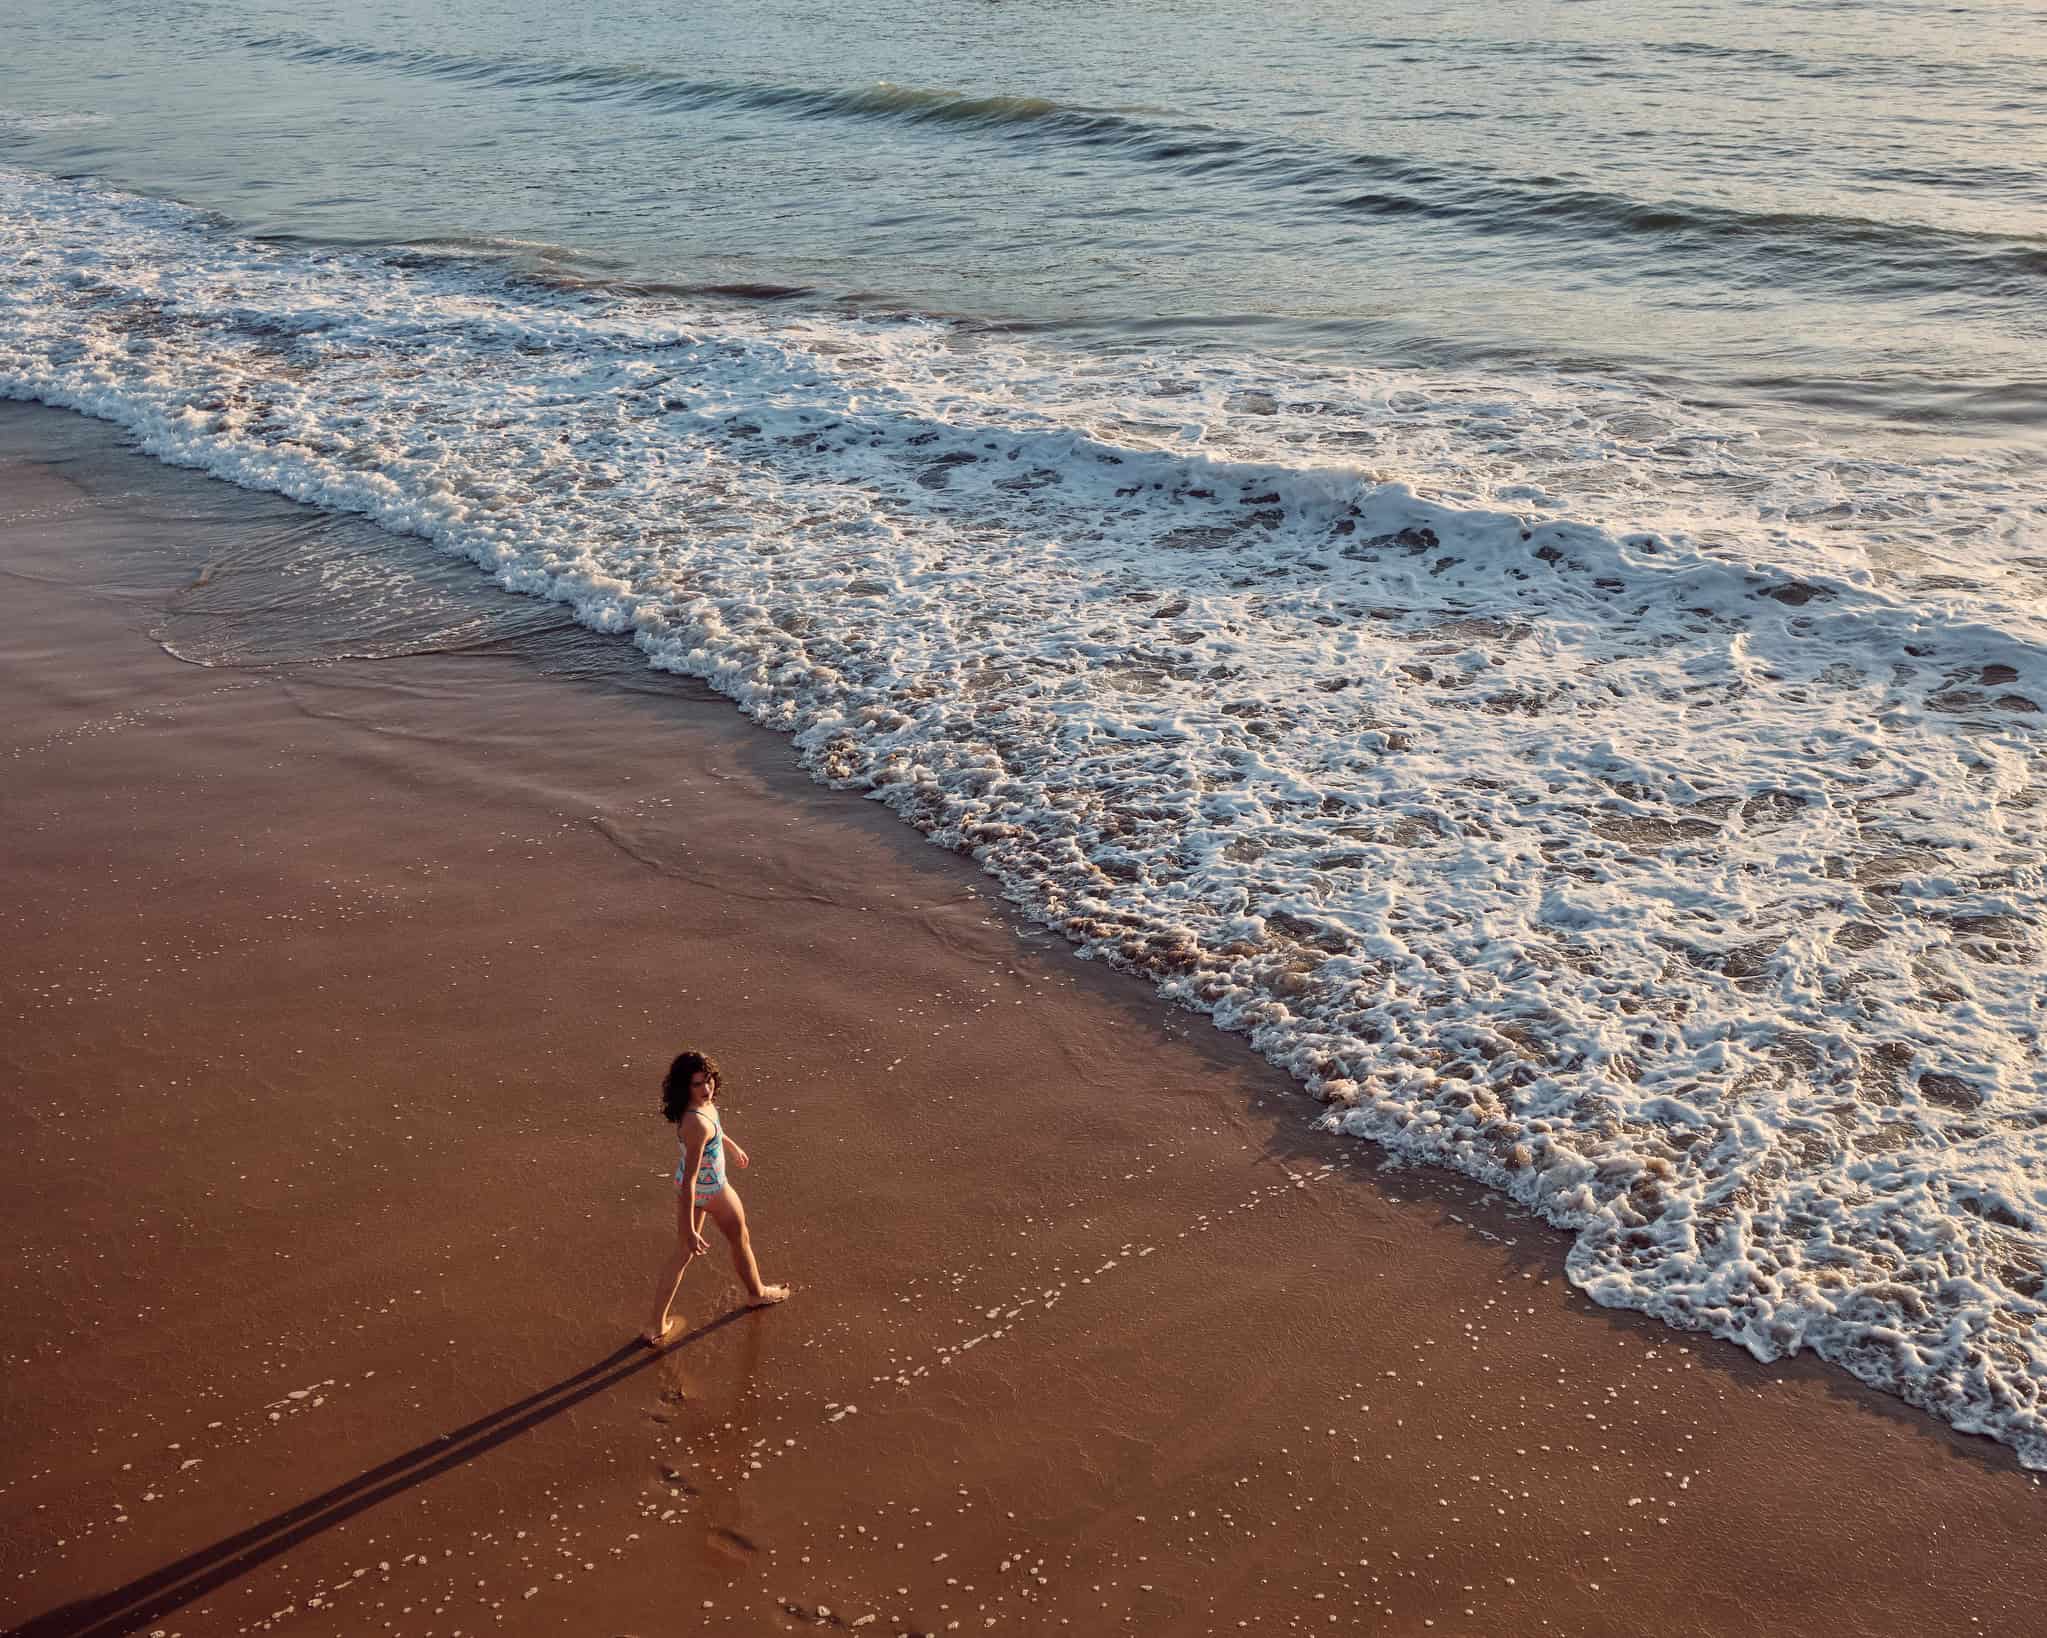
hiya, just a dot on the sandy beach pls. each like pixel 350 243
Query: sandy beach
pixel 336 995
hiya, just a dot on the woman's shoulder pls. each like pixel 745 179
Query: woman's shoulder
pixel 693 1120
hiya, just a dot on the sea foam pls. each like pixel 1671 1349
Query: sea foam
pixel 1634 813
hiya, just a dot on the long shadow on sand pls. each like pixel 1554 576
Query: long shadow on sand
pixel 150 1597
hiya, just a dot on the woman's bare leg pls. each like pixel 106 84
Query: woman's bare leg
pixel 727 1208
pixel 661 1328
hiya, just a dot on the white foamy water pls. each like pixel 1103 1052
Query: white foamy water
pixel 47 119
pixel 1632 812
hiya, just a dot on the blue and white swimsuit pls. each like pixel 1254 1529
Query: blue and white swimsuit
pixel 711 1169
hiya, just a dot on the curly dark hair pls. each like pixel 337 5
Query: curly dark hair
pixel 675 1084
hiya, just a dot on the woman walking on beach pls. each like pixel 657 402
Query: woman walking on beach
pixel 688 1098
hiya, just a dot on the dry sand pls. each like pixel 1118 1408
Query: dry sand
pixel 334 997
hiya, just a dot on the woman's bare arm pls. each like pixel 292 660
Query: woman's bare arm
pixel 695 1132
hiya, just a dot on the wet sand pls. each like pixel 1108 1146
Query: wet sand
pixel 334 997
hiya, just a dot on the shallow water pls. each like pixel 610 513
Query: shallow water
pixel 1311 514
pixel 1826 211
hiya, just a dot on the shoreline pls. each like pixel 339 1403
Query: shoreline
pixel 1506 841
pixel 339 992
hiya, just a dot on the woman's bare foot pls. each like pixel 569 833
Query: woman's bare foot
pixel 769 1295
pixel 661 1338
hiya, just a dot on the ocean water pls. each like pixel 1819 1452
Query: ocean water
pixel 1499 551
